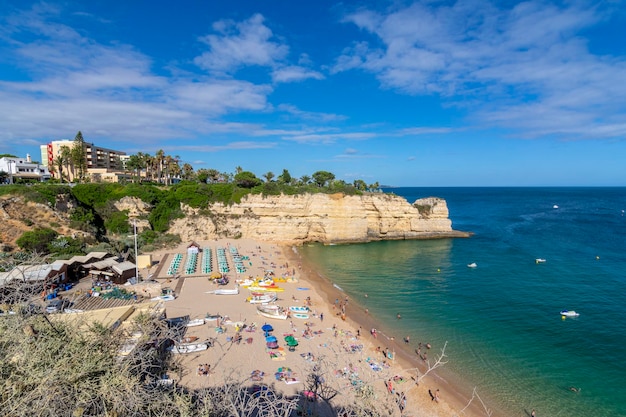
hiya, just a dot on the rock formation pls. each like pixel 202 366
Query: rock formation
pixel 326 218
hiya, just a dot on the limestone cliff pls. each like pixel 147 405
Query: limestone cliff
pixel 319 218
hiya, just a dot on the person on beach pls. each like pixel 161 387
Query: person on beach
pixel 398 316
pixel 533 414
pixel 321 316
pixel 407 340
pixel 437 395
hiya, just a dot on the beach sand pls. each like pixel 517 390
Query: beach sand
pixel 346 360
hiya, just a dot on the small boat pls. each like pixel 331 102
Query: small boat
pixel 569 313
pixel 472 265
pixel 195 322
pixel 300 316
pixel 539 260
pixel 299 309
pixel 190 348
pixel 166 297
pixel 272 312
pixel 555 206
pixel 226 291
pixel 270 288
pixel 262 298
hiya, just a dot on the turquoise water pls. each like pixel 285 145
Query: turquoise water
pixel 501 319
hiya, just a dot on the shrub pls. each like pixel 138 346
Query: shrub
pixel 37 240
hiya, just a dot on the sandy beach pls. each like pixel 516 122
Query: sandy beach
pixel 335 337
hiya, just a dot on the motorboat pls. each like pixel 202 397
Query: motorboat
pixel 569 313
pixel 226 291
pixel 190 347
pixel 540 260
pixel 472 265
pixel 268 289
pixel 262 298
pixel 166 297
pixel 555 206
pixel 272 312
pixel 195 322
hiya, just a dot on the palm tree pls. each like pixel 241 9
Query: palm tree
pixel 268 176
pixel 66 155
pixel 159 159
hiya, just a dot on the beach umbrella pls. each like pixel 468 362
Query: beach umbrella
pixel 291 341
pixel 271 339
pixel 267 328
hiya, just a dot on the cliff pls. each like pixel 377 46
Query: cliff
pixel 334 218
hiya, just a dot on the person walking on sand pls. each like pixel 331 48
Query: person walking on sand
pixel 321 316
pixel 407 340
pixel 533 414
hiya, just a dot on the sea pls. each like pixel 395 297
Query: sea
pixel 501 319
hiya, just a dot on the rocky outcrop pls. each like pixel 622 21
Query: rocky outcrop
pixel 320 217
pixel 137 210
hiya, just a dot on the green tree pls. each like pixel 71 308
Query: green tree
pixel 285 177
pixel 305 179
pixel 66 155
pixel 247 179
pixel 202 175
pixel 136 163
pixel 360 185
pixel 214 175
pixel 78 156
pixel 37 240
pixel 187 171
pixel 268 176
pixel 321 178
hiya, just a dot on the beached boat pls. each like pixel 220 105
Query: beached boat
pixel 195 322
pixel 569 313
pixel 299 309
pixel 262 298
pixel 272 312
pixel 472 265
pixel 190 348
pixel 227 291
pixel 245 282
pixel 300 316
pixel 270 288
pixel 166 297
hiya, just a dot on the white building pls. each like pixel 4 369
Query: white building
pixel 23 168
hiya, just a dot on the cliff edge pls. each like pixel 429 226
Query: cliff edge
pixel 325 218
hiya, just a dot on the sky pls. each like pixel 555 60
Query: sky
pixel 426 93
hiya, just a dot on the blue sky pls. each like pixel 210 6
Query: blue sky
pixel 455 93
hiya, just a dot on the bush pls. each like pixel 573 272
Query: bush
pixel 37 240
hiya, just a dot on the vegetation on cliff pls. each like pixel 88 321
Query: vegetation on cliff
pixel 91 207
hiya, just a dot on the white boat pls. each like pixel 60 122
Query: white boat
pixel 167 297
pixel 195 322
pixel 539 260
pixel 190 348
pixel 272 312
pixel 555 206
pixel 225 291
pixel 300 316
pixel 299 309
pixel 472 265
pixel 264 298
pixel 569 313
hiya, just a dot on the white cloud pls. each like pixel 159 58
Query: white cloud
pixel 527 67
pixel 294 73
pixel 240 44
